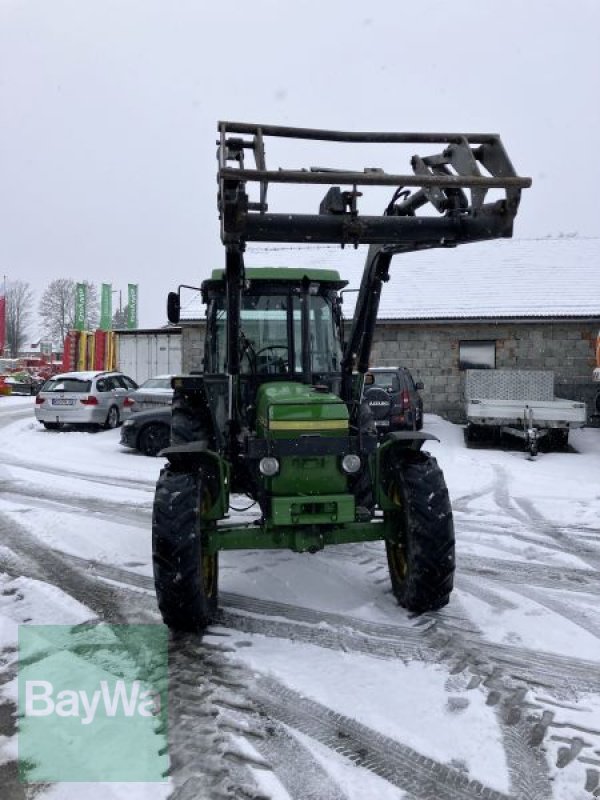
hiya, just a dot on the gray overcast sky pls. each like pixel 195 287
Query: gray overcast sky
pixel 108 114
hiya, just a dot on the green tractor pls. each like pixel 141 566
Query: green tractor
pixel 277 413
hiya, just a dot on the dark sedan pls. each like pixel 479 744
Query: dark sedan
pixel 148 431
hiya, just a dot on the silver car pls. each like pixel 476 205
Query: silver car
pixel 84 399
pixel 153 393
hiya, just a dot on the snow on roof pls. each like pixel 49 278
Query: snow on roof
pixel 508 278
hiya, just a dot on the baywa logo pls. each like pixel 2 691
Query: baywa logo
pixel 41 701
pixel 92 703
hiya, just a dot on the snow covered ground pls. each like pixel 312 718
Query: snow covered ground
pixel 315 684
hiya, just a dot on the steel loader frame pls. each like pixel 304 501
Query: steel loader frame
pixel 439 180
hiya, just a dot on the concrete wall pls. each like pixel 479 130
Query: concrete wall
pixel 431 352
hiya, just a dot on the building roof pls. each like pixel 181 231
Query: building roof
pixel 504 279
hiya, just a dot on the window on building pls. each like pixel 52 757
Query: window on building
pixel 477 355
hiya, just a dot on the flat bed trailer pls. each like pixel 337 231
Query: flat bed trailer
pixel 519 403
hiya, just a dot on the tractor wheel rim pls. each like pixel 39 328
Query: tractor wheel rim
pixel 397 557
pixel 208 560
pixel 398 562
pixel 208 573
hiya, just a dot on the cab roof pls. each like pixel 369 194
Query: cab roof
pixel 286 274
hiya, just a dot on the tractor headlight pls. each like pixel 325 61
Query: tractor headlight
pixel 351 463
pixel 268 466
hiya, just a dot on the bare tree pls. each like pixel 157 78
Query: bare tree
pixel 19 302
pixel 57 308
pixel 92 317
pixel 119 320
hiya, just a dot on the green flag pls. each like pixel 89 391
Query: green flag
pixel 80 306
pixel 132 305
pixel 106 307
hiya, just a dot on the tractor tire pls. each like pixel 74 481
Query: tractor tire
pixel 185 579
pixel 421 561
pixel 186 425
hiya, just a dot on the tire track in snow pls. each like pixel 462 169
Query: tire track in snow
pixel 546 576
pixel 400 765
pixel 141 484
pixel 130 513
pixel 569 611
pixel 491 598
pixel 50 566
pixel 204 761
pixel 512 760
pixel 407 643
pixel 569 543
pixel 527 766
pixel 8 416
pixel 425 638
pixel 202 754
pixel 462 502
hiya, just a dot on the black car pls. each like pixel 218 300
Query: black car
pixel 393 398
pixel 148 431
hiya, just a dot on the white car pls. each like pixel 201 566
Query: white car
pixel 154 392
pixel 84 399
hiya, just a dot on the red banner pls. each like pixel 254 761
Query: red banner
pixel 2 324
pixel 99 350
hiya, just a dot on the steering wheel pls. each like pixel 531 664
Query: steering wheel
pixel 284 361
pixel 272 347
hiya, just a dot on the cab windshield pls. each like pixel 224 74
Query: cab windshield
pixel 271 335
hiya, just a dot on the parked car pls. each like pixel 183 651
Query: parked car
pixel 393 398
pixel 148 431
pixel 154 392
pixel 22 383
pixel 84 399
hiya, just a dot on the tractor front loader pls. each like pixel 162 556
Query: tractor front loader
pixel 277 412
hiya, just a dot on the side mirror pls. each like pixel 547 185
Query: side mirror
pixel 173 308
pixel 419 385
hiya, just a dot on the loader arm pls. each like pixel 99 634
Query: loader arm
pixel 451 186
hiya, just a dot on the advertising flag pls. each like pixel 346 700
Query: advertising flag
pixel 106 307
pixel 80 306
pixel 2 323
pixel 132 305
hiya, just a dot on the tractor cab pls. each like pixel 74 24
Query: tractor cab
pixel 290 329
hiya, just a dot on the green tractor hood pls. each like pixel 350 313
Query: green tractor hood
pixel 286 410
pixel 291 411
